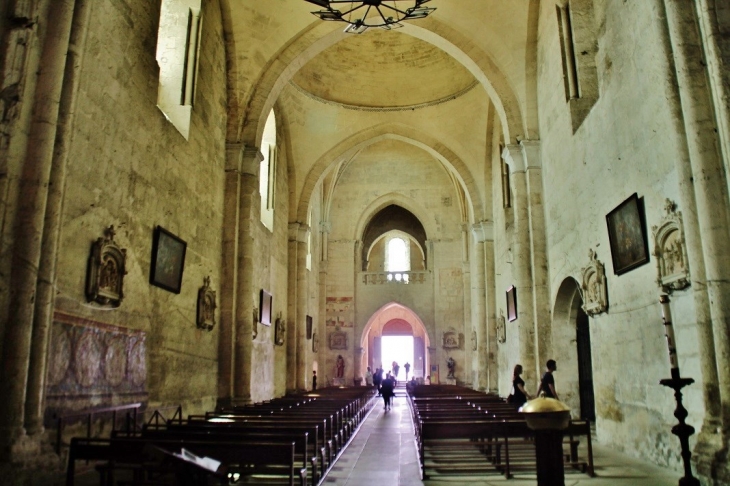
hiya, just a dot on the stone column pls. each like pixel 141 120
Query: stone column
pixel 303 368
pixel 704 205
pixel 486 331
pixel 522 265
pixel 479 321
pixel 246 295
pixel 44 305
pixel 324 228
pixel 28 225
pixel 538 250
pixel 297 369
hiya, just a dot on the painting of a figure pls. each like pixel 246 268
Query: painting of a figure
pixel 168 260
pixel 626 233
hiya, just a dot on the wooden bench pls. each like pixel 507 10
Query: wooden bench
pixel 268 462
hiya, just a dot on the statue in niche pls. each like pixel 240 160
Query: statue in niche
pixel 501 329
pixel 279 331
pixel 670 250
pixel 315 342
pixel 451 365
pixel 105 271
pixel 340 366
pixel 206 306
pixel 593 285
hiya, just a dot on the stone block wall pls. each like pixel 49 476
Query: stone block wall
pixel 627 143
pixel 129 167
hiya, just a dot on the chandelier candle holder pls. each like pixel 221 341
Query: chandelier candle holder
pixel 681 430
pixel 360 15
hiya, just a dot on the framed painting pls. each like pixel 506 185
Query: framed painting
pixel 627 235
pixel 168 260
pixel 512 303
pixel 309 327
pixel 265 306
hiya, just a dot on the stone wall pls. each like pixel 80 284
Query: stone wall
pixel 129 167
pixel 627 143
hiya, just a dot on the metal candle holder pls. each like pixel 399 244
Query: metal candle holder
pixel 682 430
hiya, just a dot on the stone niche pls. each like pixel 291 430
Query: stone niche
pixel 92 364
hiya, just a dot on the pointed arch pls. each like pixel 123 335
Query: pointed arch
pixel 391 311
pixel 393 131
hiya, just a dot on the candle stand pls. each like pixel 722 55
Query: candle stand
pixel 682 430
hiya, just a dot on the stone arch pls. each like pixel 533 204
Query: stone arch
pixel 380 318
pixel 246 124
pixel 358 141
pixel 568 303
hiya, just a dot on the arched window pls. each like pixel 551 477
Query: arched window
pixel 267 172
pixel 397 255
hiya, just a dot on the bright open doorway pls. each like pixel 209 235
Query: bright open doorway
pixel 400 350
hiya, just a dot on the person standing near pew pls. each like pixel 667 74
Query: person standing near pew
pixel 368 378
pixel 377 379
pixel 314 379
pixel 547 383
pixel 386 389
pixel 519 394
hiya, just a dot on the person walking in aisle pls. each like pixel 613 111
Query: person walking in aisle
pixel 547 383
pixel 519 396
pixel 386 389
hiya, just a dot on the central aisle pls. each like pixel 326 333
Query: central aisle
pixel 383 453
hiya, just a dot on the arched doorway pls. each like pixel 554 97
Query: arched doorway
pixel 585 367
pixel 572 348
pixel 395 320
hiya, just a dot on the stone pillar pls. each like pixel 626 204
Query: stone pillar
pixel 324 228
pixel 44 305
pixel 491 311
pixel 28 224
pixel 245 293
pixel 704 205
pixel 522 265
pixel 479 323
pixel 303 368
pixel 297 369
pixel 358 364
pixel 538 251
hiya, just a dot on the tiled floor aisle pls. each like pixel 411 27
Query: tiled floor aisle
pixel 383 453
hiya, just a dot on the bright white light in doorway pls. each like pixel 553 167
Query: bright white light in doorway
pixel 398 349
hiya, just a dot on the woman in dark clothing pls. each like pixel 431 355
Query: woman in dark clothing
pixel 519 395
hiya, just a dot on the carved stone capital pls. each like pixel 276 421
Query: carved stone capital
pixel 593 286
pixel 483 231
pixel 512 155
pixel 670 250
pixel 531 154
pixel 298 232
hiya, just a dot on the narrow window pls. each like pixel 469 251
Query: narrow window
pixel 506 192
pixel 309 241
pixel 570 72
pixel 267 172
pixel 178 47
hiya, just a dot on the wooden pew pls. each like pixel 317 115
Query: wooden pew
pixel 276 460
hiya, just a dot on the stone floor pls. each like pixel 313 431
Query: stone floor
pixel 383 453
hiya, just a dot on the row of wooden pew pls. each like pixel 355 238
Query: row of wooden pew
pixel 292 440
pixel 460 431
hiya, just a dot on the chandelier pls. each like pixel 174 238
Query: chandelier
pixel 363 14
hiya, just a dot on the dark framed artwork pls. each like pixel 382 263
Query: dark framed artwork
pixel 309 327
pixel 512 303
pixel 168 260
pixel 627 235
pixel 265 306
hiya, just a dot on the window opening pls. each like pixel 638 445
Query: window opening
pixel 309 241
pixel 397 259
pixel 570 72
pixel 178 49
pixel 267 172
